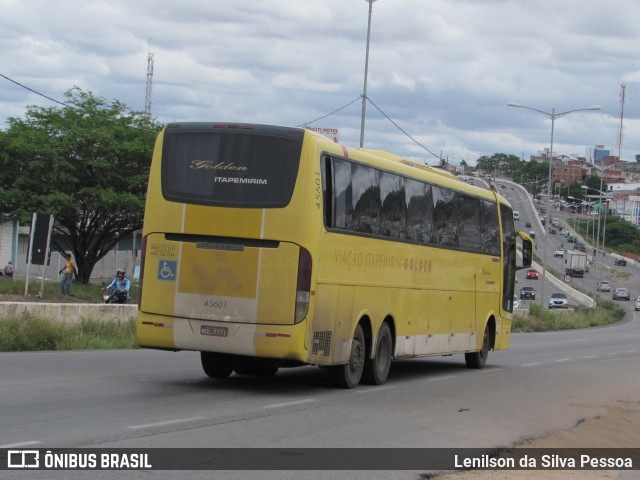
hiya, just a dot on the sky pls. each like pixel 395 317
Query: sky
pixel 440 72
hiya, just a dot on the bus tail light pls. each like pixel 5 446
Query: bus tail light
pixel 143 254
pixel 303 288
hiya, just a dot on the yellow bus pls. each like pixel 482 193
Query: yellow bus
pixel 268 246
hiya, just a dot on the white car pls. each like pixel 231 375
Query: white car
pixel 638 303
pixel 558 253
pixel 558 300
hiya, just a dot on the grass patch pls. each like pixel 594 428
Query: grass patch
pixel 89 293
pixel 542 320
pixel 29 333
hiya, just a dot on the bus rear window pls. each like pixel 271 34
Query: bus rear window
pixel 255 166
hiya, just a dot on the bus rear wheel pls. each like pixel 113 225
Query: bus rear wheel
pixel 349 375
pixel 479 359
pixel 376 370
pixel 216 365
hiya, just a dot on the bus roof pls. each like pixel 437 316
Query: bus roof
pixel 397 158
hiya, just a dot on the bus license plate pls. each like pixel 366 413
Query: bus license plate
pixel 213 331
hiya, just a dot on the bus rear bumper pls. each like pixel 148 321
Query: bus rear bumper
pixel 285 342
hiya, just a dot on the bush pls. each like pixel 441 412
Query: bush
pixel 541 320
pixel 28 333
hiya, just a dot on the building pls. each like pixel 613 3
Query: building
pixel 599 152
pixel 569 171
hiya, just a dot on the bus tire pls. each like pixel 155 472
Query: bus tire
pixel 376 370
pixel 349 375
pixel 215 365
pixel 479 359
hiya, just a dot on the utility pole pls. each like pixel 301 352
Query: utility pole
pixel 623 88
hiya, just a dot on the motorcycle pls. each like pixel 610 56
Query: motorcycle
pixel 112 295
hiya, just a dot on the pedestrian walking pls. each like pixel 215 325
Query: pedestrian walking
pixel 68 271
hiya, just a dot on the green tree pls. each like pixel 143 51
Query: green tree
pixel 621 235
pixel 87 163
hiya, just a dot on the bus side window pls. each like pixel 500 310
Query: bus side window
pixel 341 193
pixel 445 217
pixel 394 208
pixel 366 199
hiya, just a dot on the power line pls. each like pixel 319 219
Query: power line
pixel 400 128
pixel 301 125
pixel 384 114
pixel 329 114
pixel 38 93
pixel 73 107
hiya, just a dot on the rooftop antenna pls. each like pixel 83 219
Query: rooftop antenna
pixel 147 102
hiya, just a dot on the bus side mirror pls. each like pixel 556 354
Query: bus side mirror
pixel 527 250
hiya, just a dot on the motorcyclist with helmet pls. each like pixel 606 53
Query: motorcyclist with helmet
pixel 119 288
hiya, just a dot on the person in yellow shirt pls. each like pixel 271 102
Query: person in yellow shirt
pixel 67 272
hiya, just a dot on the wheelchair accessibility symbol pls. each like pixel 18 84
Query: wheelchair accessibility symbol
pixel 167 270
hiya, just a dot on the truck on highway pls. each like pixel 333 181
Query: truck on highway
pixel 576 264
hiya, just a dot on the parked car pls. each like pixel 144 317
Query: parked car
pixel 621 294
pixel 559 253
pixel 527 293
pixel 603 286
pixel 621 262
pixel 532 234
pixel 533 274
pixel 558 300
pixel 638 303
pixel 527 225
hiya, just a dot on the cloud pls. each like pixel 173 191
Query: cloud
pixel 443 70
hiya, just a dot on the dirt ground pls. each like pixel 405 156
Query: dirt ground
pixel 618 428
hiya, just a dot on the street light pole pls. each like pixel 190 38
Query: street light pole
pixel 553 115
pixel 604 225
pixel 366 72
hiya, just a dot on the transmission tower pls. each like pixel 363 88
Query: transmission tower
pixel 623 87
pixel 147 103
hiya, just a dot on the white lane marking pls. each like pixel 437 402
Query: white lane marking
pixel 166 422
pixel 562 360
pixel 530 364
pixel 374 389
pixel 20 444
pixel 289 404
pixel 446 377
pixel 589 356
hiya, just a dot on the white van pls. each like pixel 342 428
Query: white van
pixel 516 215
pixel 556 222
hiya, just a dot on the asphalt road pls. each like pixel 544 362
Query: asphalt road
pixel 144 398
